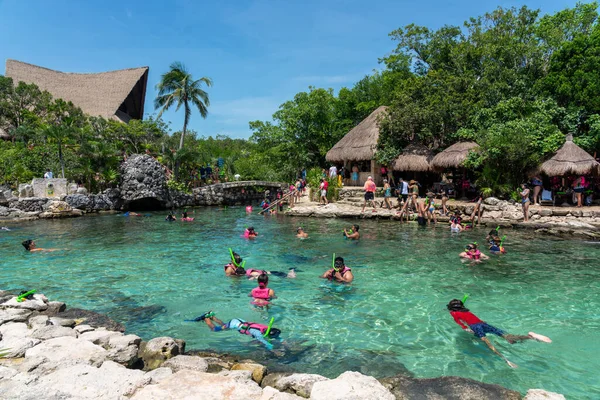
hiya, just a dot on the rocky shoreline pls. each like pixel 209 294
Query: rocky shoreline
pixel 50 353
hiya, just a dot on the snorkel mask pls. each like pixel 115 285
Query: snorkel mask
pixel 338 263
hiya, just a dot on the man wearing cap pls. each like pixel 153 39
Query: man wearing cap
pixel 370 188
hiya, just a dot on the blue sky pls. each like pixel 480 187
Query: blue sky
pixel 258 53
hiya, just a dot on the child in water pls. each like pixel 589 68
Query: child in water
pixel 470 323
pixel 262 294
pixel 495 242
pixel 339 272
pixel 257 331
pixel 235 266
pixel 250 233
pixel 30 246
pixel 472 253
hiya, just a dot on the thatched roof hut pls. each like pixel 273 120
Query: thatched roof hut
pixel 115 95
pixel 570 159
pixel 359 144
pixel 414 157
pixel 453 156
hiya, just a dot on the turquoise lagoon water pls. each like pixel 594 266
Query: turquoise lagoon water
pixel 151 275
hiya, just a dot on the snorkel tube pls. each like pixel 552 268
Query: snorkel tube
pixel 266 334
pixel 465 297
pixel 22 297
pixel 233 260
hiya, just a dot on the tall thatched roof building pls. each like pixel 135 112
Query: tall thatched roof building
pixel 359 145
pixel 115 95
pixel 570 159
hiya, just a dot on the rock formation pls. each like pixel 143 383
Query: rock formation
pixel 143 184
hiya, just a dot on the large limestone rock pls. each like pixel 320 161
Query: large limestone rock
pixel 447 387
pixel 38 303
pixel 300 384
pixel 51 331
pixel 124 349
pixel 143 183
pixel 199 385
pixel 25 190
pixel 29 204
pixel 79 201
pixel 539 394
pixel 14 315
pixel 100 337
pixel 157 351
pixel 6 196
pixel 110 381
pixel 181 362
pixel 270 393
pixel 68 350
pixel 351 386
pixel 15 339
pixel 258 371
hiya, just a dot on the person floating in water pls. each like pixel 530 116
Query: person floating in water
pixel 472 253
pixel 259 332
pixel 495 242
pixel 262 294
pixel 4 228
pixel 30 246
pixel 455 227
pixel 300 233
pixel 131 214
pixel 340 272
pixel 471 323
pixel 170 217
pixel 250 233
pixel 352 233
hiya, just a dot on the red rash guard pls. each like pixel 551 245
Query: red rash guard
pixel 465 316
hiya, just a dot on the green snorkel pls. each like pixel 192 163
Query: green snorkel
pixel 22 297
pixel 465 297
pixel 333 263
pixel 233 259
pixel 269 327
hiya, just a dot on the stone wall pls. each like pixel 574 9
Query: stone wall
pixel 235 193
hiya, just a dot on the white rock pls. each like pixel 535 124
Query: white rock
pixel 84 328
pixel 351 386
pixel 68 350
pixel 239 375
pixel 270 393
pixel 15 339
pixel 301 384
pixel 181 362
pixel 110 381
pixel 35 304
pixel 159 374
pixel 57 321
pixel 51 331
pixel 539 394
pixel 123 349
pixel 99 336
pixel 199 385
pixel 38 321
pixel 7 373
pixel 14 315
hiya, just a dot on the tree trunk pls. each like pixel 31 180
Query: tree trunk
pixel 60 157
pixel 185 121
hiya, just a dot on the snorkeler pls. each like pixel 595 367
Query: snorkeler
pixel 250 233
pixel 30 246
pixel 340 272
pixel 455 227
pixel 472 253
pixel 4 228
pixel 235 266
pixel 300 233
pixel 170 217
pixel 470 323
pixel 262 294
pixel 259 332
pixel 495 242
pixel 353 233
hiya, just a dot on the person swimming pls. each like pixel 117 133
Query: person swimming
pixel 455 227
pixel 258 331
pixel 472 253
pixel 250 233
pixel 235 266
pixel 352 233
pixel 31 247
pixel 300 233
pixel 262 294
pixel 184 214
pixel 340 272
pixel 170 217
pixel 4 228
pixel 469 322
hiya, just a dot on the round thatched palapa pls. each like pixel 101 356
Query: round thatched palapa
pixel 570 159
pixel 359 144
pixel 415 158
pixel 453 156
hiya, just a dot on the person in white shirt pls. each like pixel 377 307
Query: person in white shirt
pixel 333 172
pixel 48 174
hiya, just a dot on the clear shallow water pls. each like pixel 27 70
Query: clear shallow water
pixel 151 275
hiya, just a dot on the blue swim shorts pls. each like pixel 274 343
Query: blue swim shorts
pixel 481 329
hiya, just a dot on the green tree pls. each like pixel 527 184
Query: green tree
pixel 178 87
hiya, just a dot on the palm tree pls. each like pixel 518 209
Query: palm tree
pixel 179 87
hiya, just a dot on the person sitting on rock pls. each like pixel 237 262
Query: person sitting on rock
pixel 30 246
pixel 470 323
pixel 259 332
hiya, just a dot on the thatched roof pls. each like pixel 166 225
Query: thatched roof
pixel 453 156
pixel 570 159
pixel 113 95
pixel 414 157
pixel 359 144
